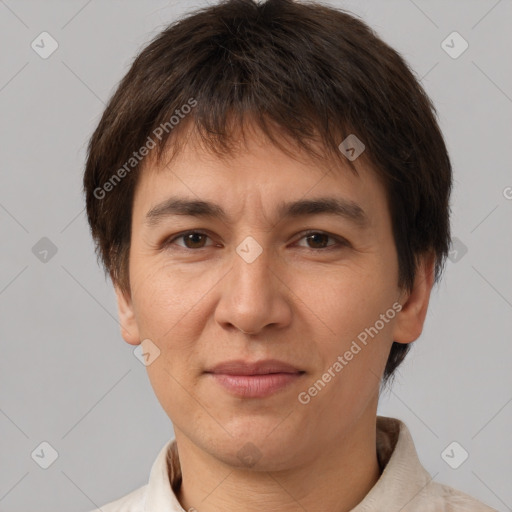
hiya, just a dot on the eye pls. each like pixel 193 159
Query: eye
pixel 191 240
pixel 320 239
pixel 315 240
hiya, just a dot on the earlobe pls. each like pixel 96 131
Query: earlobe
pixel 410 320
pixel 127 320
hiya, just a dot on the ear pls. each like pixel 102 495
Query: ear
pixel 129 327
pixel 410 320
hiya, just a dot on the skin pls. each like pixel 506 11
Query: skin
pixel 298 301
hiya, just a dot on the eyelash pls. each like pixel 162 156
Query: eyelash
pixel 341 242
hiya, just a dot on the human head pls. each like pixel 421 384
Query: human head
pixel 305 71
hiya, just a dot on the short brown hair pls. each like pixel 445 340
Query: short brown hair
pixel 306 68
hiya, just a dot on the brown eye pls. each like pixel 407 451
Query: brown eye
pixel 191 240
pixel 318 240
pixel 194 240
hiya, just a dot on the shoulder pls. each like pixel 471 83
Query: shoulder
pixel 447 499
pixel 405 484
pixel 132 502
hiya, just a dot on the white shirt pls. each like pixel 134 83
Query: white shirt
pixel 404 484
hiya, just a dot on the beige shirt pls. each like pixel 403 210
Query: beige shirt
pixel 404 485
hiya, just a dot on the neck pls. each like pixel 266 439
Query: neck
pixel 335 479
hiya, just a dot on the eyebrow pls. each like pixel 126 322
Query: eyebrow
pixel 340 207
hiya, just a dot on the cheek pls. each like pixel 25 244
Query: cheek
pixel 349 300
pixel 349 306
pixel 169 307
pixel 166 299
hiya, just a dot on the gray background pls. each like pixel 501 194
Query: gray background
pixel 66 375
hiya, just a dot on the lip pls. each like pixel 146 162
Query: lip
pixel 254 379
pixel 240 367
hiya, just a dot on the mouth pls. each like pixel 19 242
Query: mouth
pixel 254 379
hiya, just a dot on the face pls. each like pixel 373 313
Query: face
pixel 298 267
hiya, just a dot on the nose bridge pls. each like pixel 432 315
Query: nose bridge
pixel 251 270
pixel 252 298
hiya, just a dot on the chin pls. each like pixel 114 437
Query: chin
pixel 258 445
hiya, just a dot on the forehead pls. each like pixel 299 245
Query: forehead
pixel 256 170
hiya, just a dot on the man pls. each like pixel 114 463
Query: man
pixel 268 189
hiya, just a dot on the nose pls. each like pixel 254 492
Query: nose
pixel 253 297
